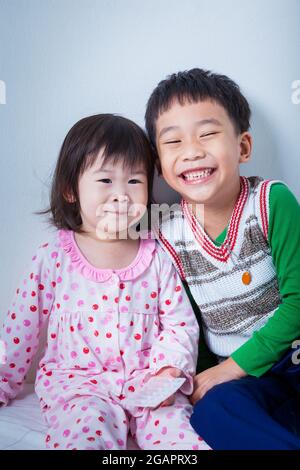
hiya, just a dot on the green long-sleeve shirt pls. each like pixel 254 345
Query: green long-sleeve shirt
pixel 268 344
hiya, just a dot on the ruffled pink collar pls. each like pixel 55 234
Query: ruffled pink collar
pixel 137 267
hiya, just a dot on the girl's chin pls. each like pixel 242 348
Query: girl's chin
pixel 112 235
pixel 123 233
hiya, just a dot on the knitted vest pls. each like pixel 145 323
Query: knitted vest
pixel 231 310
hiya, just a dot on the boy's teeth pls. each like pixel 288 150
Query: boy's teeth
pixel 192 175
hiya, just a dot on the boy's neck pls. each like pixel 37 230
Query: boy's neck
pixel 216 221
pixel 216 217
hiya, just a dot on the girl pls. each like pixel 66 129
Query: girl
pixel 116 310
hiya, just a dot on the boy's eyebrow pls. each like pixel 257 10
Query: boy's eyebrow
pixel 198 123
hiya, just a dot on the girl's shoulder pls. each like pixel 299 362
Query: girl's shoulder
pixel 48 251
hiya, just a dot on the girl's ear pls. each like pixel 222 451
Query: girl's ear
pixel 245 147
pixel 69 197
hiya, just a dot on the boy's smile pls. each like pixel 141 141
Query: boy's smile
pixel 200 152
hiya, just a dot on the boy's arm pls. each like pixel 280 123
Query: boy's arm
pixel 21 329
pixel 268 344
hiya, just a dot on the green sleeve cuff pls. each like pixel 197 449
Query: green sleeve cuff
pixel 248 357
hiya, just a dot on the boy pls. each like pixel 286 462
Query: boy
pixel 235 242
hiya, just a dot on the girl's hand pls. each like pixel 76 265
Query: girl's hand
pixel 169 372
pixel 224 372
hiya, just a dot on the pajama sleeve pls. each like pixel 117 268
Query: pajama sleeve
pixel 22 326
pixel 177 343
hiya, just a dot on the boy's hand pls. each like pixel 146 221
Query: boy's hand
pixel 227 370
pixel 169 372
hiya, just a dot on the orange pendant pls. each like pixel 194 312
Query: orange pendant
pixel 246 278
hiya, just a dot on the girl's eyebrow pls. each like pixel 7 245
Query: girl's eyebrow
pixel 141 172
pixel 103 170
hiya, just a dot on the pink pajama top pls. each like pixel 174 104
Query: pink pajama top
pixel 107 329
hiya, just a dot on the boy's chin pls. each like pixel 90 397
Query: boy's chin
pixel 193 195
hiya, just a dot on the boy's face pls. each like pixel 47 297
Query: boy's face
pixel 200 151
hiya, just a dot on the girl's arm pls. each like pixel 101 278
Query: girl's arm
pixel 177 344
pixel 23 323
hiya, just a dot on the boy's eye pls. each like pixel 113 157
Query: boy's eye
pixel 105 180
pixel 208 134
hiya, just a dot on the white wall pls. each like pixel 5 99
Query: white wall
pixel 64 59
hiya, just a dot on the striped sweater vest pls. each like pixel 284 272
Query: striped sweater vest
pixel 230 310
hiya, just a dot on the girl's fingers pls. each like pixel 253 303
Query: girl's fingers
pixel 169 401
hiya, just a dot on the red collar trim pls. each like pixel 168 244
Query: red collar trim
pixel 221 253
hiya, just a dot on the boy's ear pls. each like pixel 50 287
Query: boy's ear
pixel 245 147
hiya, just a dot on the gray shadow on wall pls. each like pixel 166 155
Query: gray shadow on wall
pixel 265 160
pixel 162 193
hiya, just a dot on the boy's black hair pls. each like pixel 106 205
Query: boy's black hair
pixel 197 85
pixel 119 138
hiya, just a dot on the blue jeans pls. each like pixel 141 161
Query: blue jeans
pixel 253 413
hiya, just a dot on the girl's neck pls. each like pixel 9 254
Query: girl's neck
pixel 107 254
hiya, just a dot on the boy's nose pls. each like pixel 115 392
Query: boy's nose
pixel 193 152
pixel 188 156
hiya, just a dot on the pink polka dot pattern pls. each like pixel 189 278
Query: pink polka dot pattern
pixel 106 331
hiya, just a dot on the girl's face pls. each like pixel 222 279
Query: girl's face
pixel 112 198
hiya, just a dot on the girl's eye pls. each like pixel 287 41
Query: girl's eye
pixel 172 142
pixel 105 180
pixel 133 181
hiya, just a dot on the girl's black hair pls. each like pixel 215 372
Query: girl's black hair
pixel 119 138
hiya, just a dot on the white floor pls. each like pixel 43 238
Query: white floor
pixel 21 423
pixel 22 426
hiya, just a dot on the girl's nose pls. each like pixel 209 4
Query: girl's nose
pixel 121 198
